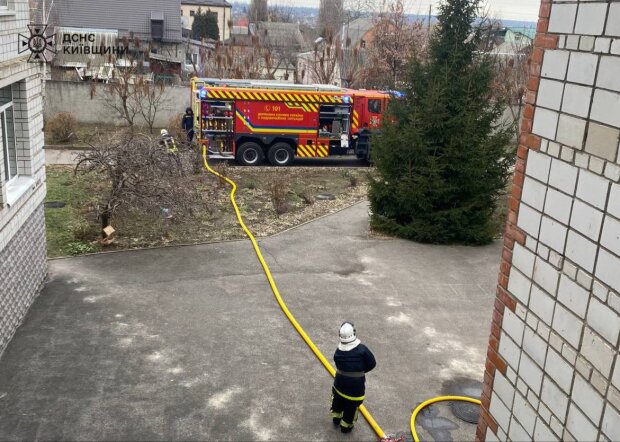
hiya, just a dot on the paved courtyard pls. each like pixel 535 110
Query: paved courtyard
pixel 188 343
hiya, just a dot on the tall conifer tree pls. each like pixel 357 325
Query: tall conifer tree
pixel 443 158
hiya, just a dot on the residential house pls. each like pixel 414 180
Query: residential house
pixel 284 41
pixel 509 41
pixel 23 264
pixel 221 8
pixel 279 43
pixel 150 28
pixel 339 63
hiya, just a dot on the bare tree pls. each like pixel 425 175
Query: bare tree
pixel 281 14
pixel 258 11
pixel 120 93
pixel 331 17
pixel 120 96
pixel 151 98
pixel 351 61
pixel 354 9
pixel 137 172
pixel 324 65
pixel 235 59
pixel 280 49
pixel 389 52
pixel 511 75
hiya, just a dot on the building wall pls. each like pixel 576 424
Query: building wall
pixel 22 272
pixel 224 15
pixel 22 233
pixel 125 16
pixel 553 371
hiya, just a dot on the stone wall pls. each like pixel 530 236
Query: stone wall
pixel 552 369
pixel 87 103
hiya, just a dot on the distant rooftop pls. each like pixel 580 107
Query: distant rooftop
pixel 219 3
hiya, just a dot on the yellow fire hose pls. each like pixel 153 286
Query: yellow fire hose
pixel 371 421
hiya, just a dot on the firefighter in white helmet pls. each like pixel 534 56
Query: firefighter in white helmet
pixel 353 360
pixel 167 141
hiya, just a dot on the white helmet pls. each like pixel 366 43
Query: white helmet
pixel 347 333
pixel 164 132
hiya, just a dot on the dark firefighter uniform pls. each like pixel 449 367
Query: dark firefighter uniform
pixel 353 360
pixel 188 124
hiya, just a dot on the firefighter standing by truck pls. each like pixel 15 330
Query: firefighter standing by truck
pixel 353 360
pixel 187 123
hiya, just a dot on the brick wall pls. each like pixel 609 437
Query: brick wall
pixel 552 369
pixel 22 272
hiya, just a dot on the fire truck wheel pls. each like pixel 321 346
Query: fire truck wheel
pixel 280 154
pixel 250 154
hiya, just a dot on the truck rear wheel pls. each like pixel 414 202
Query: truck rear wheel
pixel 250 154
pixel 280 154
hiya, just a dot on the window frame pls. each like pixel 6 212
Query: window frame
pixel 6 173
pixel 370 109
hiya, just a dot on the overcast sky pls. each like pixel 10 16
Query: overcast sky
pixel 504 9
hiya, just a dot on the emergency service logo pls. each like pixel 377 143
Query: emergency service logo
pixel 40 45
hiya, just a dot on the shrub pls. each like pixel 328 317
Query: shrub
pixel 62 127
pixel 307 196
pixel 279 191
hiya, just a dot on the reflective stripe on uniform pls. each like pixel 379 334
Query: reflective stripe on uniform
pixel 336 415
pixel 351 398
pixel 352 374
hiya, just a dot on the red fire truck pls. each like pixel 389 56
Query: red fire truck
pixel 250 120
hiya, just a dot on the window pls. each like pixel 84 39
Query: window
pixel 192 13
pixel 4 4
pixel 191 58
pixel 374 106
pixel 7 134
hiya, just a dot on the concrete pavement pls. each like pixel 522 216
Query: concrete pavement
pixel 61 157
pixel 188 343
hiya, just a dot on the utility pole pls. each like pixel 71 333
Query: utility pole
pixel 430 13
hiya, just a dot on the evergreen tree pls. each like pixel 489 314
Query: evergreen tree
pixel 442 157
pixel 205 26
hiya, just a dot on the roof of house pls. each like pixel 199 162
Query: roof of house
pixel 282 34
pixel 529 32
pixel 220 3
pixel 357 29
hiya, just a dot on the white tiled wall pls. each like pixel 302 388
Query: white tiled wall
pixel 562 343
pixel 22 231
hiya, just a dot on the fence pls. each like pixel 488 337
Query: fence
pixel 87 103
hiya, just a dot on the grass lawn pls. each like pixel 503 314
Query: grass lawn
pixel 74 229
pixel 70 229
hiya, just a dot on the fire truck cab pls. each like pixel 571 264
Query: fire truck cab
pixel 250 120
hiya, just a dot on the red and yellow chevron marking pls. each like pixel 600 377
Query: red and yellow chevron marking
pixel 322 150
pixel 294 105
pixel 356 120
pixel 305 151
pixel 287 96
pixel 318 150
